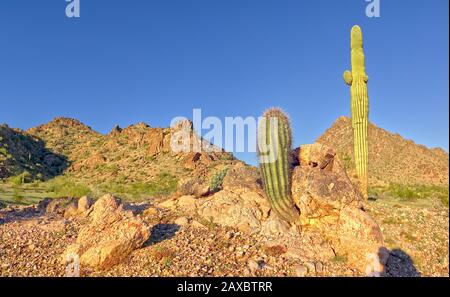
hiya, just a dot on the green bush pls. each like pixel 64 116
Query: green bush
pixel 163 184
pixel 23 178
pixel 348 162
pixel 62 186
pixel 217 180
pixel 411 192
pixel 17 197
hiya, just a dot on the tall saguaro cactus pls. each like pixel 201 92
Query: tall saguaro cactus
pixel 357 80
pixel 274 147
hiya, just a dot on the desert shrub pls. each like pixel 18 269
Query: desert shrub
pixel 164 255
pixel 17 196
pixel 163 184
pixel 4 152
pixel 20 179
pixel 348 162
pixel 411 192
pixel 63 186
pixel 217 180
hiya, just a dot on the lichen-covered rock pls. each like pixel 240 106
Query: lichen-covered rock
pixel 187 202
pixel 66 207
pixel 57 206
pixel 197 186
pixel 110 236
pixel 330 203
pixel 230 209
pixel 242 178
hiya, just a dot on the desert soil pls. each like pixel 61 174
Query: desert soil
pixel 416 235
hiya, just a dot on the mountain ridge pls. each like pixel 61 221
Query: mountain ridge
pixel 139 152
pixel 392 158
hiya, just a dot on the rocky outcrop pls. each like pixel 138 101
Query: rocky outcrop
pixel 109 237
pixel 68 207
pixel 197 186
pixel 330 203
pixel 331 207
pixel 245 212
pixel 242 178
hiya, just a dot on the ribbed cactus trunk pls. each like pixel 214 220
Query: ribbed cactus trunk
pixel 357 80
pixel 274 147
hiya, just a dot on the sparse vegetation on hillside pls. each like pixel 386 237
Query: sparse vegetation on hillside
pixel 411 192
pixel 163 184
pixel 63 186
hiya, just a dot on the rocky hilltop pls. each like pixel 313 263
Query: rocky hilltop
pixel 139 153
pixel 135 153
pixel 392 159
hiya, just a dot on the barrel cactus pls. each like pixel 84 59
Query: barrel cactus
pixel 274 147
pixel 357 80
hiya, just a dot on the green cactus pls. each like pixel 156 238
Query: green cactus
pixel 357 80
pixel 274 147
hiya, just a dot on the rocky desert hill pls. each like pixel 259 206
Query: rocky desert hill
pixel 21 152
pixel 204 214
pixel 136 153
pixel 141 154
pixel 133 162
pixel 392 159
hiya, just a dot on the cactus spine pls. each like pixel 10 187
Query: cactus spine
pixel 357 80
pixel 274 147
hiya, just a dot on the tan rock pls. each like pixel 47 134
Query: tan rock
pixel 56 206
pixel 317 155
pixel 196 186
pixel 198 225
pixel 182 221
pixel 110 236
pixel 187 202
pixel 331 204
pixel 169 203
pixel 150 212
pixel 71 211
pixel 242 178
pixel 229 209
pixel 84 203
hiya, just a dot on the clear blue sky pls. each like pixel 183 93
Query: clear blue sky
pixel 127 61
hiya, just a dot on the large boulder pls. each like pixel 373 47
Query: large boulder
pixel 109 237
pixel 330 203
pixel 244 212
pixel 242 178
pixel 68 207
pixel 57 206
pixel 197 186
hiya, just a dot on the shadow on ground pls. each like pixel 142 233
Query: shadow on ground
pixel 162 232
pixel 400 264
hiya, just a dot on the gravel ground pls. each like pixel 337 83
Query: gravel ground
pixel 32 246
